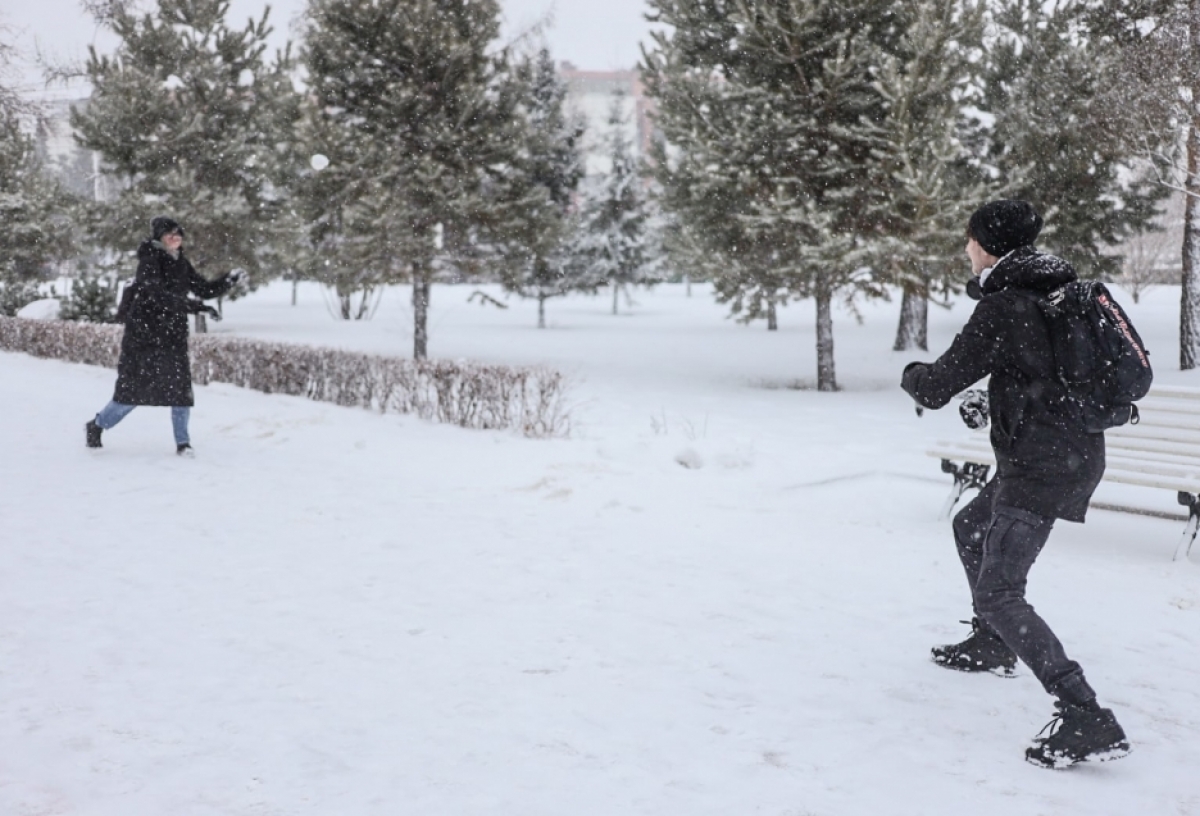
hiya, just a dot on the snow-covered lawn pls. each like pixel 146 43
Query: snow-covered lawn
pixel 335 613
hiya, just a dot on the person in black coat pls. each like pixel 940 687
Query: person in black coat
pixel 1047 467
pixel 154 368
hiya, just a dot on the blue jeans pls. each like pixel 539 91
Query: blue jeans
pixel 114 412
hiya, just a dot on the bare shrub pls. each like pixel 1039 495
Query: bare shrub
pixel 471 395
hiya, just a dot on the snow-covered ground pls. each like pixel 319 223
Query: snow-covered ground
pixel 335 613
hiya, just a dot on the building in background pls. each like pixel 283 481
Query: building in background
pixel 74 167
pixel 590 95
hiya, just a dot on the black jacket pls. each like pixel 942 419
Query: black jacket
pixel 1047 463
pixel 154 368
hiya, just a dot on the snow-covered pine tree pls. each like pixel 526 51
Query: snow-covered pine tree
pixel 615 244
pixel 928 183
pixel 540 263
pixel 35 228
pixel 773 113
pixel 420 120
pixel 1150 96
pixel 189 116
pixel 1044 81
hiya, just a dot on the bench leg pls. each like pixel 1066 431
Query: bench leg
pixel 1192 502
pixel 970 475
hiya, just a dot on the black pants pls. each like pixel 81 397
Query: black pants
pixel 998 545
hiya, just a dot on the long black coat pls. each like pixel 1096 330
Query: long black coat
pixel 1046 462
pixel 154 368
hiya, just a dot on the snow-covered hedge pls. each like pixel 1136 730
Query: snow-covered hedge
pixel 462 393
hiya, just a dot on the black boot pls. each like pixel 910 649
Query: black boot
pixel 983 651
pixel 1078 733
pixel 185 450
pixel 93 434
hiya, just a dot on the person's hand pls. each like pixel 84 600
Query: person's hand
pixel 238 276
pixel 974 409
pixel 211 312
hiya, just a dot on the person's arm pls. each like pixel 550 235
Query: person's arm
pixel 202 287
pixel 971 357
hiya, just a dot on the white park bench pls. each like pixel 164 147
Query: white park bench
pixel 1161 451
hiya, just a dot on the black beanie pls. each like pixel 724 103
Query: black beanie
pixel 1004 225
pixel 162 225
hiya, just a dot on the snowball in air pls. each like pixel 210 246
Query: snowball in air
pixel 319 161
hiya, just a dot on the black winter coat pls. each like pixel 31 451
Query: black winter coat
pixel 154 368
pixel 1046 462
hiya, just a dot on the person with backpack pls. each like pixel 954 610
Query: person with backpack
pixel 1049 460
pixel 154 368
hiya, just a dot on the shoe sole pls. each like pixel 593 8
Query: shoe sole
pixel 1118 751
pixel 1000 671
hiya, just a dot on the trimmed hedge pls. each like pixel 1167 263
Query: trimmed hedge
pixel 472 395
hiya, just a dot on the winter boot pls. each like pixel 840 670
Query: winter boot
pixel 93 434
pixel 1078 733
pixel 185 450
pixel 983 651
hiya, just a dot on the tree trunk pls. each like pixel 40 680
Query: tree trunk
pixel 201 324
pixel 344 304
pixel 1189 308
pixel 687 281
pixel 616 295
pixel 295 286
pixel 541 311
pixel 420 311
pixel 772 319
pixel 826 373
pixel 913 331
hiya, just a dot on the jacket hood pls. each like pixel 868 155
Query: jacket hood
pixel 1026 268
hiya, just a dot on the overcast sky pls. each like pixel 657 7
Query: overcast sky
pixel 593 34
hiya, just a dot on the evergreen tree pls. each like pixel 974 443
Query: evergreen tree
pixel 540 263
pixel 190 117
pixel 615 243
pixel 929 183
pixel 774 110
pixel 1150 97
pixel 418 121
pixel 35 229
pixel 1044 81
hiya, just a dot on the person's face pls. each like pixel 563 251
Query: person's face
pixel 172 241
pixel 980 258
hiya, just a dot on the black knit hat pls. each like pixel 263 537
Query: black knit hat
pixel 162 225
pixel 1004 225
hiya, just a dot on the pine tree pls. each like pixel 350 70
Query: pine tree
pixel 615 243
pixel 417 118
pixel 928 181
pixel 1150 97
pixel 190 117
pixel 1044 81
pixel 540 263
pixel 774 110
pixel 35 230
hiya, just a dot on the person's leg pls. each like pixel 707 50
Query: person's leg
pixel 983 651
pixel 970 529
pixel 180 414
pixel 1012 544
pixel 111 414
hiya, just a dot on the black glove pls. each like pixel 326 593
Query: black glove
pixel 200 307
pixel 974 409
pixel 237 276
pixel 908 380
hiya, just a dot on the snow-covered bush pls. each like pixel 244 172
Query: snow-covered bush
pixel 472 395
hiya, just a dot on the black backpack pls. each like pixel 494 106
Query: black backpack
pixel 1099 358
